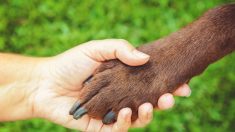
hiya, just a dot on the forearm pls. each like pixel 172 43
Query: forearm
pixel 16 84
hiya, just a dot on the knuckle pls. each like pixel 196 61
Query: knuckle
pixel 92 41
pixel 123 42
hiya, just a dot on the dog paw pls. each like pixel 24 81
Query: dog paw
pixel 115 86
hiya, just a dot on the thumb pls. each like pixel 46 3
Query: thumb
pixel 101 50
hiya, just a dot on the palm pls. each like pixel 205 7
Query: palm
pixel 60 90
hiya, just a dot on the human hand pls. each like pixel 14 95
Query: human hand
pixel 116 86
pixel 61 81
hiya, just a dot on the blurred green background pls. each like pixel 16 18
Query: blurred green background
pixel 49 27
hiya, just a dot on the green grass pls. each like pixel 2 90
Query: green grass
pixel 49 27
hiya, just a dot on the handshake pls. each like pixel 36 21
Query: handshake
pixel 88 84
pixel 174 60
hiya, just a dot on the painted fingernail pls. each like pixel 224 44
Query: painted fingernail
pixel 79 113
pixel 109 118
pixel 140 54
pixel 74 108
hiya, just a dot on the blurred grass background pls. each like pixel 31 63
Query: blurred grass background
pixel 49 27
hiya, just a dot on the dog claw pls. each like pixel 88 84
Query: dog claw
pixel 79 113
pixel 76 105
pixel 88 79
pixel 109 118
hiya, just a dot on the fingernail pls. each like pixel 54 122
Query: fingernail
pixel 88 80
pixel 149 111
pixel 149 114
pixel 189 93
pixel 74 108
pixel 79 113
pixel 170 100
pixel 140 54
pixel 167 101
pixel 125 114
pixel 109 118
pixel 186 90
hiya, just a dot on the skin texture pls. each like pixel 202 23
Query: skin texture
pixel 47 87
pixel 175 59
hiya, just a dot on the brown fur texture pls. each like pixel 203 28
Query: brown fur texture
pixel 174 60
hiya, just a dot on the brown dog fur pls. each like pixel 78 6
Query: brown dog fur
pixel 175 59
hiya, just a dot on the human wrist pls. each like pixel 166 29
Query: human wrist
pixel 15 102
pixel 17 90
pixel 17 68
